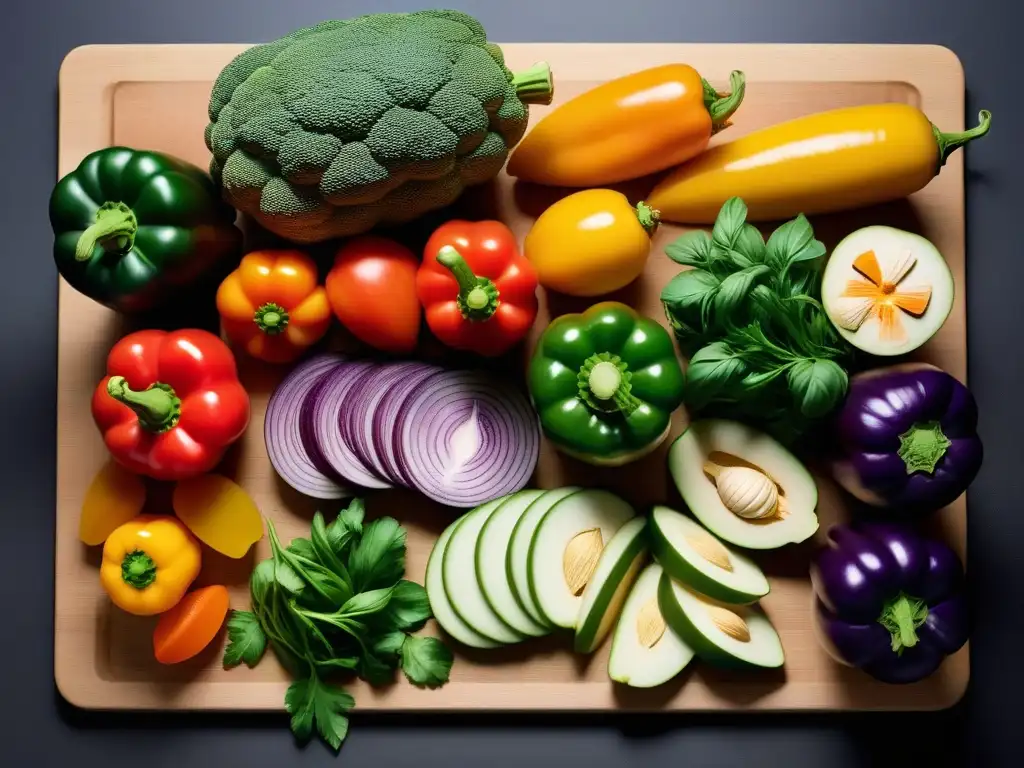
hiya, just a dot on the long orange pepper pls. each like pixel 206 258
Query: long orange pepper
pixel 626 128
pixel 273 306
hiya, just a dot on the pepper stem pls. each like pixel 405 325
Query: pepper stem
pixel 478 296
pixel 157 407
pixel 722 106
pixel 902 617
pixel 604 384
pixel 923 446
pixel 535 85
pixel 138 569
pixel 648 217
pixel 114 230
pixel 271 318
pixel 951 142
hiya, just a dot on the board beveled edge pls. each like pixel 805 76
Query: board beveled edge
pixel 87 78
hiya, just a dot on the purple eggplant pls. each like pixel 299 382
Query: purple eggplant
pixel 907 438
pixel 889 601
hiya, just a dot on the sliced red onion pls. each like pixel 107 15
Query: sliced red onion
pixel 363 414
pixel 282 431
pixel 466 437
pixel 323 412
pixel 386 416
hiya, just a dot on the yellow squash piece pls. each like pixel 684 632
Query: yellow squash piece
pixel 830 161
pixel 114 497
pixel 219 512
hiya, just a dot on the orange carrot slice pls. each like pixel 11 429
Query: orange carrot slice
pixel 867 265
pixel 191 625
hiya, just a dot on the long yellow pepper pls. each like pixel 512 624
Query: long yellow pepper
pixel 830 161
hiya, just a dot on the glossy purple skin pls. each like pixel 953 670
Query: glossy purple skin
pixel 864 566
pixel 881 407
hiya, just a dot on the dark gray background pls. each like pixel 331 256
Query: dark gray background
pixel 37 729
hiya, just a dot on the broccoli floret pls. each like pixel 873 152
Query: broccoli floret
pixel 378 119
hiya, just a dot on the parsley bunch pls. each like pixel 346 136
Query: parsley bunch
pixel 749 317
pixel 332 604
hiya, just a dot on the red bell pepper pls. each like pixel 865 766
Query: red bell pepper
pixel 171 403
pixel 479 292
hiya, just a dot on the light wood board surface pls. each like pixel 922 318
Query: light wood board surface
pixel 155 97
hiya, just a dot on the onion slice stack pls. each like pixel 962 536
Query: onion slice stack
pixel 458 437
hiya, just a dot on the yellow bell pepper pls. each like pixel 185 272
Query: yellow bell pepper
pixel 148 564
pixel 830 161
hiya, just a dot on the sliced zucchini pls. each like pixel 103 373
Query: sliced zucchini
pixel 491 556
pixel 606 591
pixel 721 634
pixel 440 605
pixel 461 583
pixel 566 548
pixel 696 558
pixel 646 652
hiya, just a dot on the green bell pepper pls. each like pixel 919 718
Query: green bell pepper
pixel 134 229
pixel 605 384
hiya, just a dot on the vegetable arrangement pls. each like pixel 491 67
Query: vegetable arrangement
pixel 337 129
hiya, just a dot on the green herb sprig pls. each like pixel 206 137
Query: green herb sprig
pixel 332 604
pixel 749 317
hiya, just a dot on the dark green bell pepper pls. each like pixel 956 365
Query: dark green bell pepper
pixel 134 229
pixel 605 383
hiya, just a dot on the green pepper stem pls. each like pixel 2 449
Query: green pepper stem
pixel 271 318
pixel 722 106
pixel 157 407
pixel 114 230
pixel 902 617
pixel 478 296
pixel 648 217
pixel 535 85
pixel 951 142
pixel 923 446
pixel 138 569
pixel 604 384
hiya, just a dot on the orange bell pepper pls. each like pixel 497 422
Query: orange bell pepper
pixel 626 128
pixel 273 306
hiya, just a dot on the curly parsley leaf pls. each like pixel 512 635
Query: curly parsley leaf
pixel 311 702
pixel 378 559
pixel 426 661
pixel 246 640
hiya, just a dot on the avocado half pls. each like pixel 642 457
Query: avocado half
pixel 729 444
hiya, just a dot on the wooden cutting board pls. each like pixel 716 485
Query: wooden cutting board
pixel 155 97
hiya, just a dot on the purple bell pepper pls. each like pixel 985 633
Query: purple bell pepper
pixel 907 438
pixel 889 602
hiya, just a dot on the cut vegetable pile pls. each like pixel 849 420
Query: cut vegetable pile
pixel 380 119
pixel 458 437
pixel 570 559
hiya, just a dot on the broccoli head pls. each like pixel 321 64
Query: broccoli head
pixel 337 128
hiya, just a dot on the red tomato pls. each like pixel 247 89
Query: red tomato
pixel 372 291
